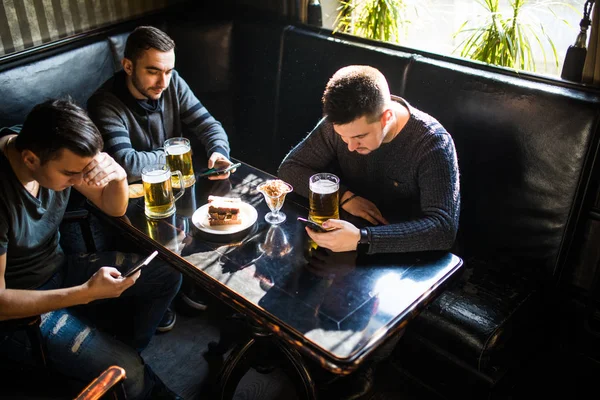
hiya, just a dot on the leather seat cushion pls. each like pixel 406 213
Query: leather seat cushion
pixel 474 320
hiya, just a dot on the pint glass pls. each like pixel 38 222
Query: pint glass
pixel 323 197
pixel 179 158
pixel 158 193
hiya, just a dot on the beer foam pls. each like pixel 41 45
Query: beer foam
pixel 177 149
pixel 156 176
pixel 324 186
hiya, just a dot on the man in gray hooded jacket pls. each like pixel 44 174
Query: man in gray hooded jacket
pixel 148 102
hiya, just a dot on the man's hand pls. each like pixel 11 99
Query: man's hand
pixel 102 170
pixel 219 161
pixel 363 208
pixel 344 238
pixel 107 283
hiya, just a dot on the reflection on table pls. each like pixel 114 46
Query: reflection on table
pixel 334 307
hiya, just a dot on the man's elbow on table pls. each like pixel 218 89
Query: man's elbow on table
pixel 116 211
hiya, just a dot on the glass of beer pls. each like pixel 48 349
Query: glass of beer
pixel 159 200
pixel 323 197
pixel 179 158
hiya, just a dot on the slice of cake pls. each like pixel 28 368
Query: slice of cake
pixel 224 211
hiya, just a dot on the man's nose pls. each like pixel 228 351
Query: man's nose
pixel 162 81
pixel 352 144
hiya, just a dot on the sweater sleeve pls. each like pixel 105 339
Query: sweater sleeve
pixel 108 117
pixel 437 226
pixel 201 126
pixel 312 155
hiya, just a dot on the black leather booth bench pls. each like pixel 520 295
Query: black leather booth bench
pixel 526 149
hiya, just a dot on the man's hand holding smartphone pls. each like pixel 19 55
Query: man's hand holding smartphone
pixel 312 225
pixel 339 236
pixel 108 282
pixel 216 172
pixel 140 265
pixel 219 167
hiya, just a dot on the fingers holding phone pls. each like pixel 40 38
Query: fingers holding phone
pixel 220 167
pixel 108 283
pixel 140 265
pixel 217 174
pixel 312 225
pixel 340 236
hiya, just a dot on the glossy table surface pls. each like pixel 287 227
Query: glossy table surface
pixel 335 307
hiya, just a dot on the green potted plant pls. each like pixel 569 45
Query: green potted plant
pixel 507 38
pixel 372 19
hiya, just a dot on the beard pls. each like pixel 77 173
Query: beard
pixel 146 92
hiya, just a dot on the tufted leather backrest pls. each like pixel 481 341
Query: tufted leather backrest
pixel 77 72
pixel 203 57
pixel 523 150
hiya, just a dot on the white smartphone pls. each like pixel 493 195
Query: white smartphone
pixel 141 264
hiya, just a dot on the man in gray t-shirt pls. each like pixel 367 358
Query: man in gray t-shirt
pixel 59 148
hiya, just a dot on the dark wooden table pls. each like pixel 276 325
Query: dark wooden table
pixel 334 308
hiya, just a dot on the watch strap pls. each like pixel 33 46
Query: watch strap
pixel 365 238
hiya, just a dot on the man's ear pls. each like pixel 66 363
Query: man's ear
pixel 386 117
pixel 127 66
pixel 30 159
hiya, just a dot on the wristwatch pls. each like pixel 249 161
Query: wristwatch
pixel 364 237
pixel 364 241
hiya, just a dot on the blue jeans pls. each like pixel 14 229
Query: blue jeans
pixel 83 341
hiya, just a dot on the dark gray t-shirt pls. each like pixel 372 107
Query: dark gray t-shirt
pixel 29 230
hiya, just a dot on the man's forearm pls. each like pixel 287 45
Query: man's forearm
pixel 15 303
pixel 115 197
pixel 212 137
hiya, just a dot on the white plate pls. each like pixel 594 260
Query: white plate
pixel 247 212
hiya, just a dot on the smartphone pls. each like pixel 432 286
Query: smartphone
pixel 312 225
pixel 214 171
pixel 141 264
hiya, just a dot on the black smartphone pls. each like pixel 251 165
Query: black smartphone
pixel 141 264
pixel 312 225
pixel 214 171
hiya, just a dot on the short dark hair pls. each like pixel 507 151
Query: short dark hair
pixel 144 38
pixel 59 124
pixel 353 92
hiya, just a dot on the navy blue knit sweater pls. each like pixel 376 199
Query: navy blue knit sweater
pixel 413 180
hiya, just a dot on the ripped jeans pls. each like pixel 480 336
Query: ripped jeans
pixel 83 341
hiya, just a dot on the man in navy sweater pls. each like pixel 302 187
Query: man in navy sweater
pixel 397 165
pixel 398 172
